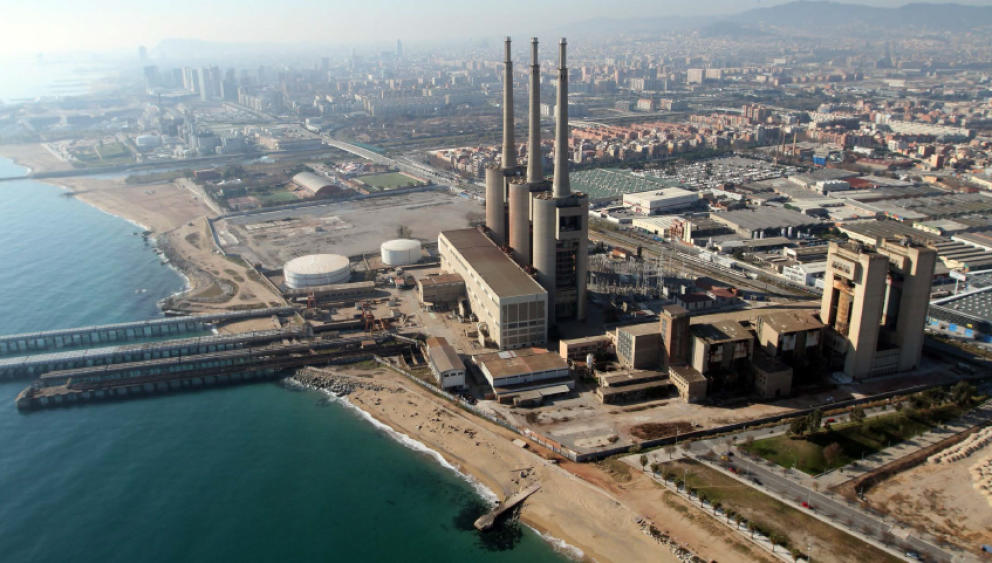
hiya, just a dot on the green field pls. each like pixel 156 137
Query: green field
pixel 854 439
pixel 389 181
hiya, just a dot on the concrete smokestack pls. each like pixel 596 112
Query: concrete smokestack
pixel 509 149
pixel 561 187
pixel 535 172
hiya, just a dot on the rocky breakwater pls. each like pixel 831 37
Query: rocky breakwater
pixel 337 383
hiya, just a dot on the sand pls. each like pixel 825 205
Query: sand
pixel 34 156
pixel 940 498
pixel 578 503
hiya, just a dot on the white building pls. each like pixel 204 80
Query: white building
pixel 664 200
pixel 447 367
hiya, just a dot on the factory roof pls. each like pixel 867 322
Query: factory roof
pixel 791 321
pixel 443 356
pixel 496 269
pixel 762 218
pixel 720 331
pixel 640 329
pixel 441 279
pixel 521 362
pixel 878 230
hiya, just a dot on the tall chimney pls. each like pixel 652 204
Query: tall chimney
pixel 561 187
pixel 509 149
pixel 535 173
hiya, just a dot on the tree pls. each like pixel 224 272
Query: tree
pixel 798 426
pixel 832 453
pixel 644 460
pixel 962 393
pixel 858 414
pixel 669 449
pixel 813 421
pixel 403 231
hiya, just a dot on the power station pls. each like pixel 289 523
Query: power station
pixel 541 223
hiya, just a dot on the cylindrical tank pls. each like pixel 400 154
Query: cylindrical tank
pixel 316 269
pixel 400 252
pixel 495 204
pixel 519 220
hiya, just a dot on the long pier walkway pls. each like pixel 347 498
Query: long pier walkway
pixel 37 342
pixel 487 521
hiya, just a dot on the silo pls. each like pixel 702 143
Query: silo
pixel 400 252
pixel 495 204
pixel 519 220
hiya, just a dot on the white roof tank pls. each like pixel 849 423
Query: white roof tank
pixel 400 252
pixel 316 269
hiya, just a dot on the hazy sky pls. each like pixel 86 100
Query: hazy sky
pixel 33 26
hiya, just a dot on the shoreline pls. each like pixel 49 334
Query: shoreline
pixel 465 473
pixel 571 513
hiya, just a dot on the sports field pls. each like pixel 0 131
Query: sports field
pixel 389 181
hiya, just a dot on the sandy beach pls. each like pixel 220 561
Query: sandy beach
pixel 578 503
pixel 177 219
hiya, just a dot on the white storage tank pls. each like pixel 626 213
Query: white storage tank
pixel 316 269
pixel 400 252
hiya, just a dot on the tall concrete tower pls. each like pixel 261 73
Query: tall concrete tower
pixel 535 172
pixel 509 146
pixel 498 177
pixel 561 225
pixel 560 186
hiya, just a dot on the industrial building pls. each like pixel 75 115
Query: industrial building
pixel 875 303
pixel 513 373
pixel 656 202
pixel 315 270
pixel 544 225
pixel 511 305
pixel 440 292
pixel 769 221
pixel 315 185
pixel 638 346
pixel 447 367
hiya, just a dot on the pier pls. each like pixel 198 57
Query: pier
pixel 487 521
pixel 22 367
pixel 37 342
pixel 125 380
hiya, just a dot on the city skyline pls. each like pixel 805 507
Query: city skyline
pixel 55 26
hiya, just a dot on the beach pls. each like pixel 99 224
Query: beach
pixel 176 218
pixel 578 503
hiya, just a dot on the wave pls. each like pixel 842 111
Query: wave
pixel 415 445
pixel 561 546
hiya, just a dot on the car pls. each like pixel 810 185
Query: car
pixel 913 555
pixel 806 505
pixel 831 420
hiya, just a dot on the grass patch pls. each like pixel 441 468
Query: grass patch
pixel 767 515
pixel 853 438
pixel 389 181
pixel 618 470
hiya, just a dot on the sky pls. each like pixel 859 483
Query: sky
pixel 47 26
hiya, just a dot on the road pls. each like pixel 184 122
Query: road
pixel 402 163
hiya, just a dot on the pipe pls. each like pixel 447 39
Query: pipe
pixel 535 173
pixel 509 150
pixel 561 187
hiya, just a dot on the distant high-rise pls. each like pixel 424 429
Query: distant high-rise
pixel 399 49
pixel 142 53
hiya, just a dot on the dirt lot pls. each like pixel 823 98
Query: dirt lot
pixel 941 499
pixel 350 228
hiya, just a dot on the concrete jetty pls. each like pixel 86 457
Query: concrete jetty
pixel 487 521
pixel 126 380
pixel 92 336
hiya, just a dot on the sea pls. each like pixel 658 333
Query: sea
pixel 264 472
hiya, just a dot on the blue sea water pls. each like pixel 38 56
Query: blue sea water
pixel 252 473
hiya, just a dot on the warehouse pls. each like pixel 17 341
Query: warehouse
pixel 769 221
pixel 314 185
pixel 664 200
pixel 512 305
